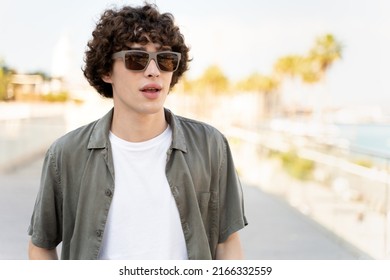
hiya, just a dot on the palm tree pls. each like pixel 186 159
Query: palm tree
pixel 208 88
pixel 266 87
pixel 322 55
pixel 288 65
pixel 213 81
pixel 289 69
pixel 312 68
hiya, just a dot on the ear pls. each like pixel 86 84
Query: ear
pixel 107 78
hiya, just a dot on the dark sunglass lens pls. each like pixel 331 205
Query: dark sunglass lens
pixel 168 61
pixel 136 60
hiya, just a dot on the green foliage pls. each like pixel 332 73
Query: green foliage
pixel 259 83
pixel 325 51
pixel 309 71
pixel 5 79
pixel 186 84
pixel 56 97
pixel 311 68
pixel 296 166
pixel 364 162
pixel 288 65
pixel 3 85
pixel 214 79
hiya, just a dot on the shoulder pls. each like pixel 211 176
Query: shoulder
pixel 89 136
pixel 77 135
pixel 199 129
pixel 73 146
pixel 199 137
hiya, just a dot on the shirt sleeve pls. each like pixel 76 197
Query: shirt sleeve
pixel 232 214
pixel 46 226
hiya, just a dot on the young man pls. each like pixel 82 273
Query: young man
pixel 140 183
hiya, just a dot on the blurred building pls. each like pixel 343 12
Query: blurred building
pixel 33 87
pixel 25 86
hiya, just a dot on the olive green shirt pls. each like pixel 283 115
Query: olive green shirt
pixel 77 187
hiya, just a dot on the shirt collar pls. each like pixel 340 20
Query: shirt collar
pixel 99 136
pixel 178 139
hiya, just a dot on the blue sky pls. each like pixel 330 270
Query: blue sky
pixel 242 36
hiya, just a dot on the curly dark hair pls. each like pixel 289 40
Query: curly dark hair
pixel 119 27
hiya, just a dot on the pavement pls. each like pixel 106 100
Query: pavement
pixel 276 230
pixel 19 188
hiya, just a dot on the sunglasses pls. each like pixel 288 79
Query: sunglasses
pixel 135 60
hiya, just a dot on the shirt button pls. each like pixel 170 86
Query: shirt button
pixel 108 192
pixel 99 233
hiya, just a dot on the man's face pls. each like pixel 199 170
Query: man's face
pixel 139 93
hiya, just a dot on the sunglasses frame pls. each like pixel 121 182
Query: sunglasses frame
pixel 152 55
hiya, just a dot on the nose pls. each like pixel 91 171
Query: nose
pixel 152 69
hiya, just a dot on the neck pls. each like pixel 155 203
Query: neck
pixel 138 128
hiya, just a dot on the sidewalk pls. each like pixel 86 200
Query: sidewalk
pixel 276 230
pixel 19 189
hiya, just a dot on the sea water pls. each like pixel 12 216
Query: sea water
pixel 373 138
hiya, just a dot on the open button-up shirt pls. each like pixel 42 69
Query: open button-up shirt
pixel 77 186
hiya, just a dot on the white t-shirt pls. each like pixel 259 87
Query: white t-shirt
pixel 143 221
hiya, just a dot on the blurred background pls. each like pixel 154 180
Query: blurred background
pixel 300 88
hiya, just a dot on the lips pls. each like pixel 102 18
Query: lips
pixel 151 88
pixel 151 91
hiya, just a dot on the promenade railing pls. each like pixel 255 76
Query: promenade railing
pixel 344 188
